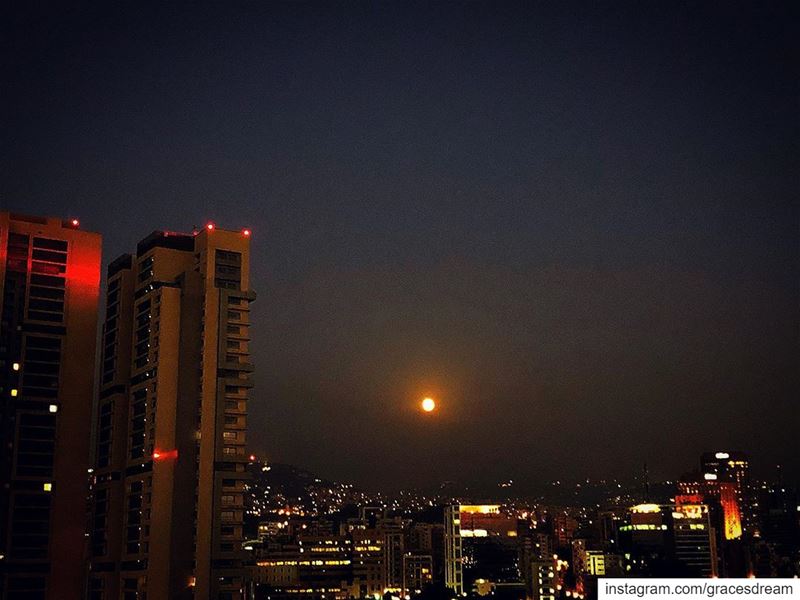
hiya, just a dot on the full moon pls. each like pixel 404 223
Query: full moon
pixel 428 404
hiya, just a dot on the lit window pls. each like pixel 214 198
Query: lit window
pixel 53 408
pixel 15 366
pixel 14 393
pixel 47 487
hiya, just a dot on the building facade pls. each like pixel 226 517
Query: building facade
pixel 49 292
pixel 734 467
pixel 693 536
pixel 171 419
pixel 453 558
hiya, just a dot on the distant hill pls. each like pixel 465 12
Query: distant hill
pixel 288 480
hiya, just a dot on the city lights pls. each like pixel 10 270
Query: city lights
pixel 522 271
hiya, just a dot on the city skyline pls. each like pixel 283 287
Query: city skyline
pixel 577 232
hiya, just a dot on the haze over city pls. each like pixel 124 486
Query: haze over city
pixel 574 227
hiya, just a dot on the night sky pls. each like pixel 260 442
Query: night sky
pixel 575 225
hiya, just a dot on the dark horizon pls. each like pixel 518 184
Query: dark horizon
pixel 577 228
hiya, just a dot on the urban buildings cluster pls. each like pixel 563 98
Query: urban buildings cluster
pixel 129 478
pixel 716 521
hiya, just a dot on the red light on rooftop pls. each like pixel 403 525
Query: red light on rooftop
pixel 210 227
pixel 246 232
pixel 75 222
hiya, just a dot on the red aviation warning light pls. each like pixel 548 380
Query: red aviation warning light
pixel 164 454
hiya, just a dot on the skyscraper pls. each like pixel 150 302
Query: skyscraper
pixel 693 536
pixel 733 467
pixel 49 291
pixel 453 560
pixel 168 497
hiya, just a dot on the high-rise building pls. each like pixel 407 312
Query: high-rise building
pixel 734 467
pixel 49 291
pixel 418 572
pixel 453 559
pixel 724 494
pixel 564 527
pixel 693 536
pixel 171 459
pixel 368 556
pixel 543 581
pixel 394 552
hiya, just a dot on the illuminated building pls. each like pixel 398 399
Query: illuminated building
pixel 693 536
pixel 368 557
pixel 49 292
pixel 326 564
pixel 648 525
pixel 645 538
pixel 723 493
pixel 490 549
pixel 595 563
pixel 587 565
pixel 733 467
pixel 170 455
pixel 543 581
pixel 679 537
pixel 729 499
pixel 393 554
pixel 428 539
pixel 579 564
pixel 482 520
pixel 418 571
pixel 312 567
pixel 342 566
pixel 453 559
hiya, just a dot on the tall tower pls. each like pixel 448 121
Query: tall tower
pixel 171 459
pixel 49 291
pixel 453 561
pixel 733 467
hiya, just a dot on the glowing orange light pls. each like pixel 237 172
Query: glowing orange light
pixel 210 227
pixel 246 232
pixel 75 222
pixel 428 404
pixel 163 455
pixel 730 509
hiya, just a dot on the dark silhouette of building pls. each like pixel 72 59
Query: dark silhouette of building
pixel 49 290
